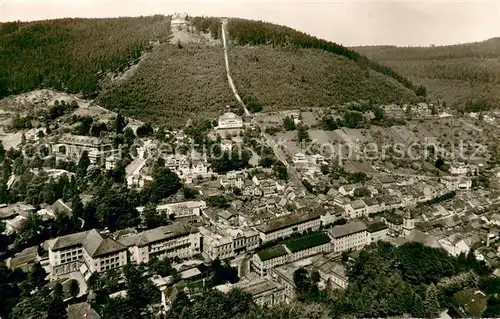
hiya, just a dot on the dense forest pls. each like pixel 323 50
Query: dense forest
pixel 384 281
pixel 305 78
pixel 249 32
pixel 174 84
pixel 72 54
pixel 460 75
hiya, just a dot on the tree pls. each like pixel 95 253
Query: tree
pixel 289 124
pixel 140 293
pixel 362 192
pixel 152 217
pixel 379 113
pixel 129 135
pixel 303 134
pixel 431 301
pixel 119 123
pixel 165 183
pixel 439 164
pixel 83 164
pixel 145 130
pixel 160 267
pixel 189 193
pixel 115 209
pixel 74 288
pixel 77 206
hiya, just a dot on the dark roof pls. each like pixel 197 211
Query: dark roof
pixel 97 245
pixel 287 221
pixel 163 233
pixel 272 252
pixel 82 310
pixel 307 241
pixel 67 241
pixel 347 229
pixel 377 226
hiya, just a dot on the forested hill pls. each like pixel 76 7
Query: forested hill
pixel 185 76
pixel 467 75
pixel 72 54
pixel 249 32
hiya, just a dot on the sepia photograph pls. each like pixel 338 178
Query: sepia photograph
pixel 249 159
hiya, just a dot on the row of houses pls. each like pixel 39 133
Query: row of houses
pixel 341 238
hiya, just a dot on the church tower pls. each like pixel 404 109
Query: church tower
pixel 408 222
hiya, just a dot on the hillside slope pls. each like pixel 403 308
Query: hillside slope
pixel 283 78
pixel 273 66
pixel 174 84
pixel 466 75
pixel 72 54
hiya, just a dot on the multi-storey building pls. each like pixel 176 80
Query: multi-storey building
pixel 353 235
pixel 87 252
pixel 74 145
pixel 230 120
pixel 287 225
pixel 223 243
pixel 377 231
pixel 331 271
pixel 90 251
pixel 293 250
pixel 181 209
pixel 175 240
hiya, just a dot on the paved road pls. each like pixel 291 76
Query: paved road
pixel 229 78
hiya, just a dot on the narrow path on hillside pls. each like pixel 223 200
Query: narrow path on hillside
pixel 228 72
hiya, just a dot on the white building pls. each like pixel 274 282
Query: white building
pixel 356 209
pixel 353 235
pixel 331 271
pixel 457 184
pixel 74 145
pixel 293 250
pixel 264 291
pixel 454 245
pixel 87 252
pixel 459 170
pixel 300 160
pixel 175 240
pixel 180 209
pixel 229 121
pixel 377 231
pixel 287 225
pixel 90 251
pixel 223 243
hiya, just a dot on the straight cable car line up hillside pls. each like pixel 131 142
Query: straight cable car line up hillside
pixel 229 78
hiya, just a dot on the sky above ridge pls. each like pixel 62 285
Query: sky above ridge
pixel 349 22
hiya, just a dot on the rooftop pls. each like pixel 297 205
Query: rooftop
pixel 347 229
pixel 307 241
pixel 157 234
pixel 286 221
pixel 272 252
pixel 377 226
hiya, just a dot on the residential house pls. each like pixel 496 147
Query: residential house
pixel 74 145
